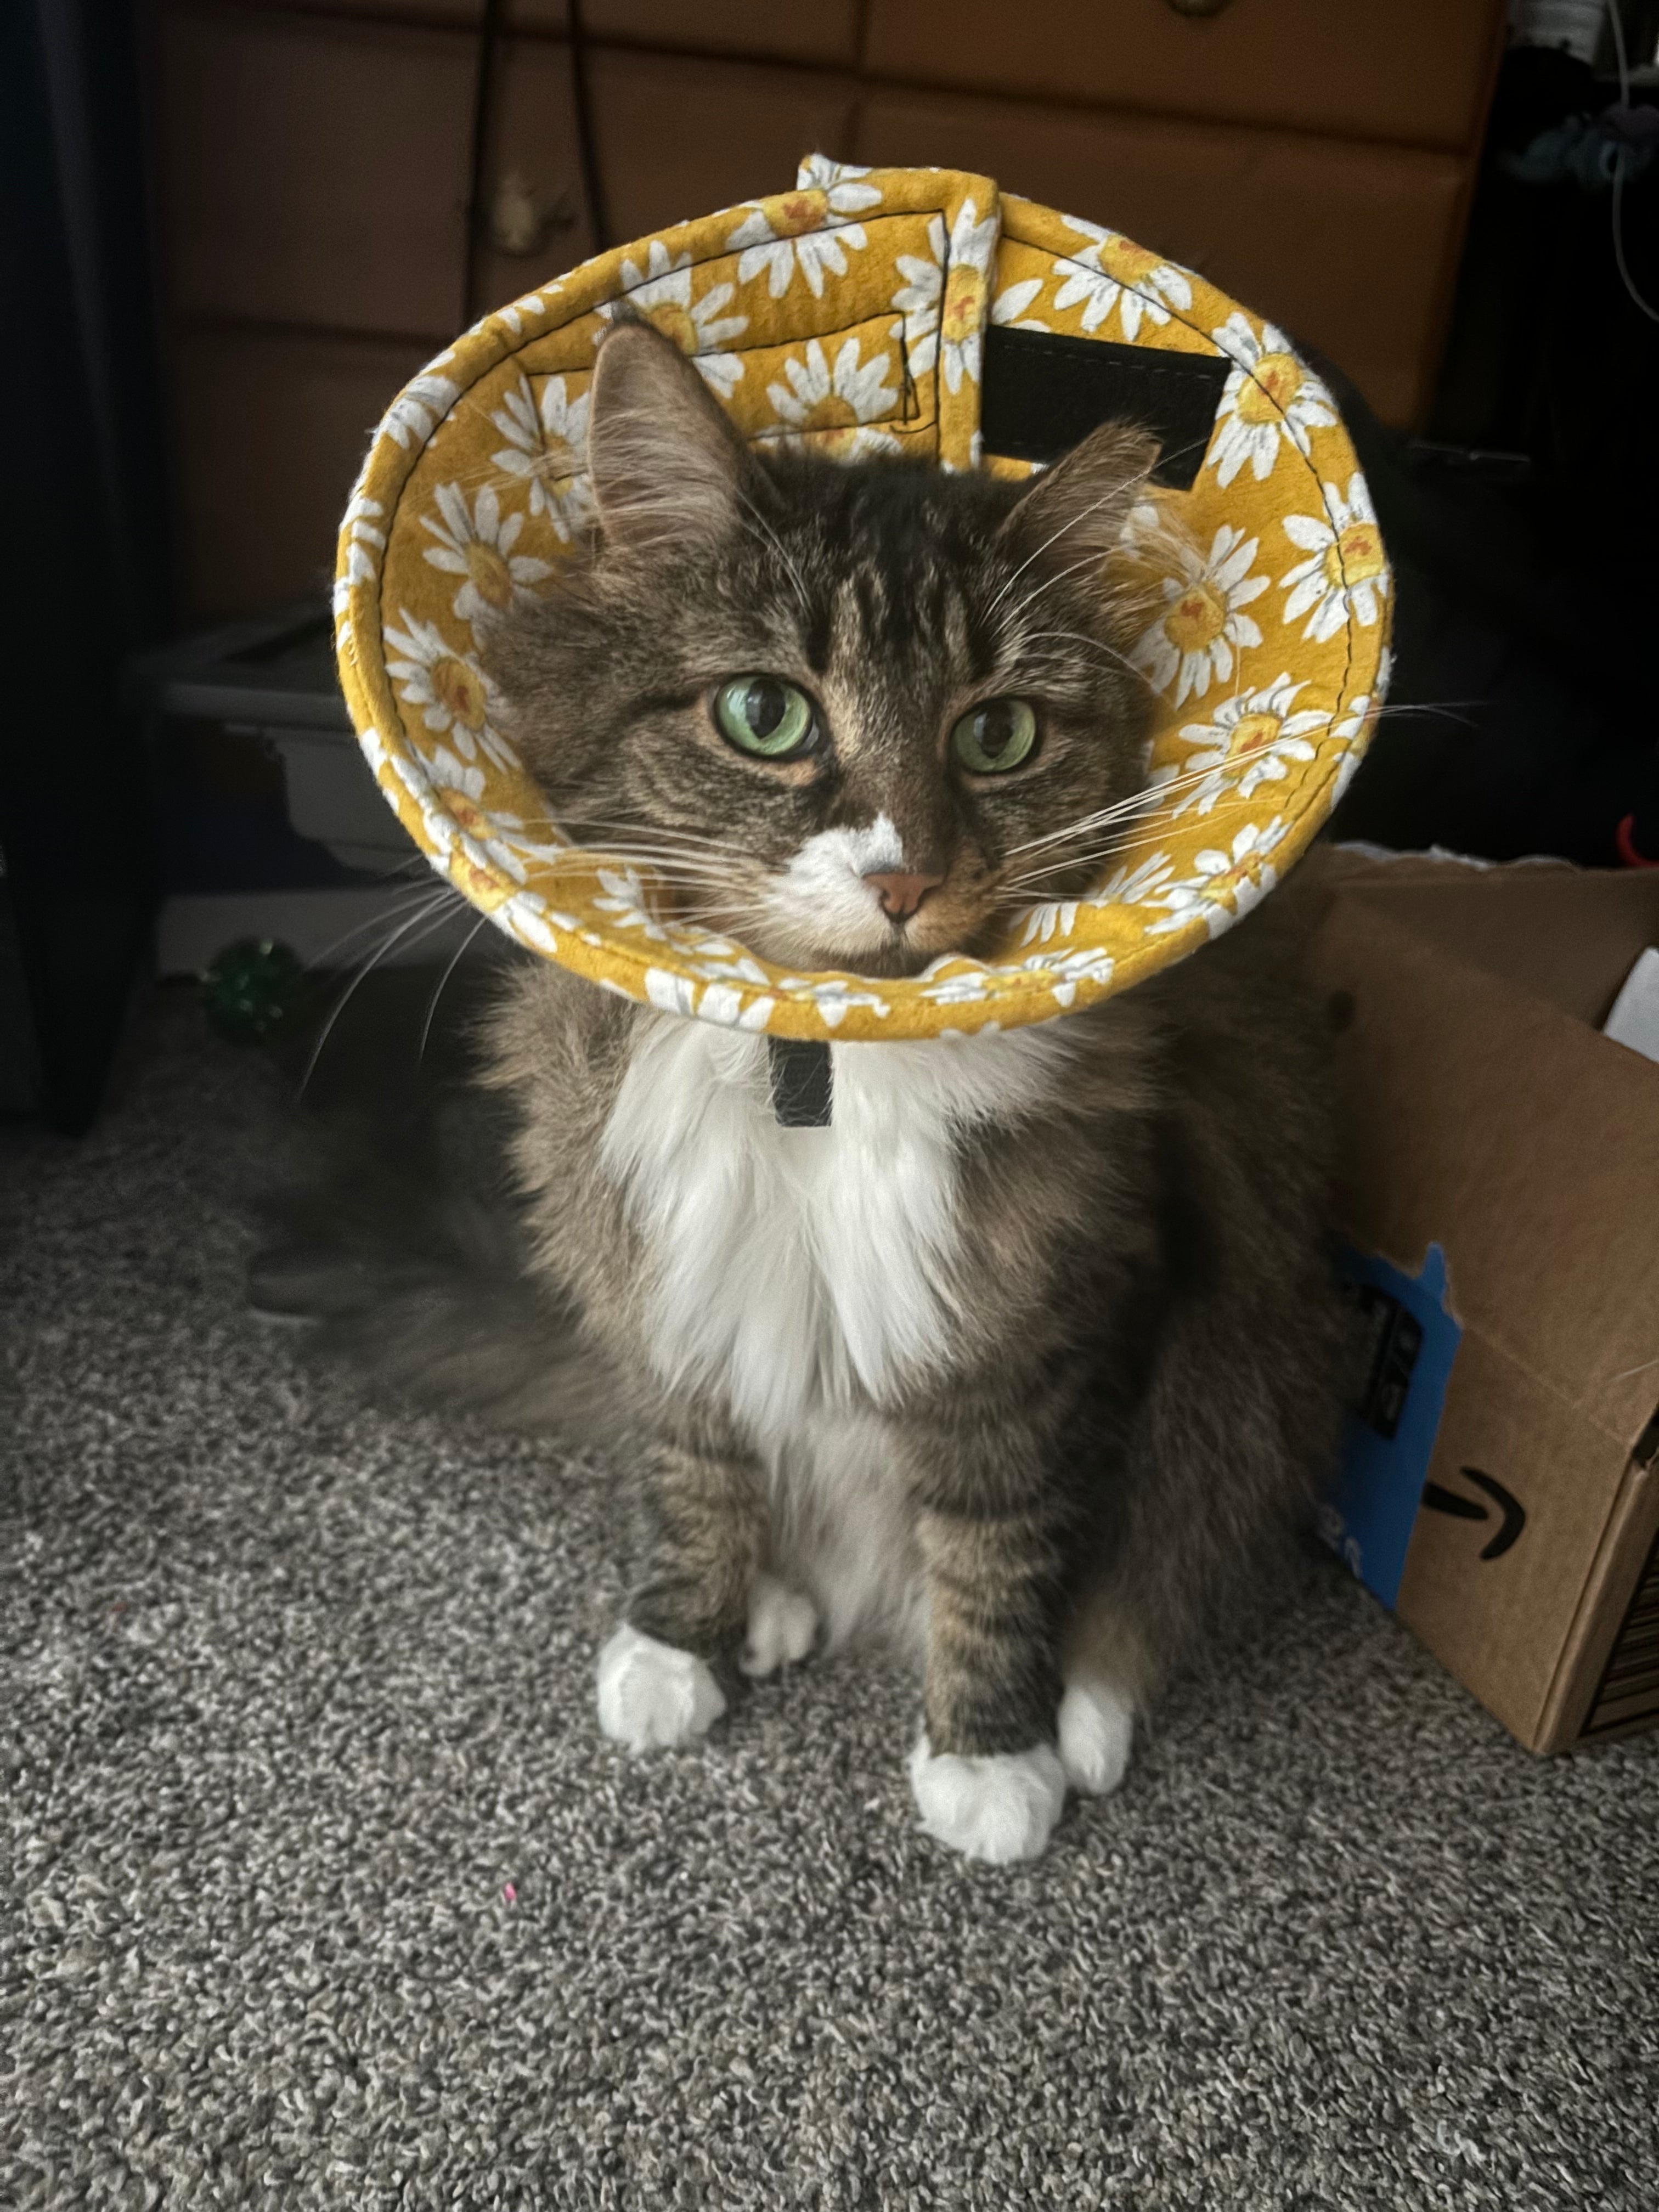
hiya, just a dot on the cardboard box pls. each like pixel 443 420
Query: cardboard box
pixel 1500 1200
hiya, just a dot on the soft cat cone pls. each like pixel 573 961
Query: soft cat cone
pixel 897 310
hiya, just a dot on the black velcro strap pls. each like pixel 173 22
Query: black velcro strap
pixel 1042 394
pixel 802 1082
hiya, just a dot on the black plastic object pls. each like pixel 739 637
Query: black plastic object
pixel 1042 393
pixel 803 1082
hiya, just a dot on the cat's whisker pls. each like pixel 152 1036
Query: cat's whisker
pixel 1447 709
pixel 1115 848
pixel 1150 795
pixel 759 527
pixel 1093 507
pixel 654 849
pixel 425 922
pixel 667 866
pixel 1048 583
pixel 454 962
pixel 1179 453
pixel 659 832
pixel 1094 645
pixel 411 896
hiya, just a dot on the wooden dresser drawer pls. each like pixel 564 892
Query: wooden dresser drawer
pixel 535 16
pixel 826 31
pixel 270 428
pixel 314 172
pixel 451 14
pixel 1413 72
pixel 680 138
pixel 1353 248
pixel 532 141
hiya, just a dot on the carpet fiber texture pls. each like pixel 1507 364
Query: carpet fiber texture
pixel 321 1887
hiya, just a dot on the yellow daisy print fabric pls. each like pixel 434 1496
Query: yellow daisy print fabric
pixel 851 313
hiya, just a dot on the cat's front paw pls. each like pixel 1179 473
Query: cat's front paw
pixel 999 1806
pixel 1096 1728
pixel 783 1626
pixel 652 1695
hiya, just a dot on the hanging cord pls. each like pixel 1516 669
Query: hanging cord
pixel 483 92
pixel 1620 158
pixel 587 148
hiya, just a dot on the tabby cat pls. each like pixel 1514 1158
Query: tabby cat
pixel 1017 1351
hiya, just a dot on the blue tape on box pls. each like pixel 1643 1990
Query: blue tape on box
pixel 1405 1341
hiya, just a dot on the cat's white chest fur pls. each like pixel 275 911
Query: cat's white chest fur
pixel 801 1271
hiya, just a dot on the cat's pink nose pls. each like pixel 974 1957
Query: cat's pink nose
pixel 901 894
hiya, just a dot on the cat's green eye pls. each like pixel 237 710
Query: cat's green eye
pixel 764 715
pixel 996 737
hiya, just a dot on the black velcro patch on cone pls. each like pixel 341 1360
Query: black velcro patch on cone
pixel 1042 393
pixel 803 1088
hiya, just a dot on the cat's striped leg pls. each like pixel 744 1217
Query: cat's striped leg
pixel 986 1777
pixel 705 1524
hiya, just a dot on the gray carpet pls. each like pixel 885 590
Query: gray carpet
pixel 323 1891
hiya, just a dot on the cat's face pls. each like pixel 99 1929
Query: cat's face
pixel 854 716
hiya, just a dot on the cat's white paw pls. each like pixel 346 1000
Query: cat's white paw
pixel 999 1806
pixel 782 1627
pixel 1096 1728
pixel 652 1695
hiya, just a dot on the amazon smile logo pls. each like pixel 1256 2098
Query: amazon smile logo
pixel 1439 1499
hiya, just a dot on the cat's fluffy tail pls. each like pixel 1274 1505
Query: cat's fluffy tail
pixel 397 1241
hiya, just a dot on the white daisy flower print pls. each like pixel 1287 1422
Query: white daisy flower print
pixel 418 411
pixel 1089 966
pixel 628 903
pixel 533 925
pixel 477 543
pixel 448 774
pixel 1206 895
pixel 796 230
pixel 1141 286
pixel 363 531
pixel 505 835
pixel 917 299
pixel 1050 918
pixel 732 966
pixel 723 1003
pixel 843 184
pixel 450 849
pixel 663 291
pixel 833 995
pixel 840 399
pixel 670 994
pixel 447 687
pixel 1346 769
pixel 969 986
pixel 1355 729
pixel 1133 883
pixel 943 298
pixel 1345 571
pixel 1008 308
pixel 1063 972
pixel 1250 740
pixel 1203 627
pixel 547 448
pixel 1129 883
pixel 1269 400
pixel 532 303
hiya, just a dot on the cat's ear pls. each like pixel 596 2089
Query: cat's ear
pixel 666 466
pixel 1081 506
